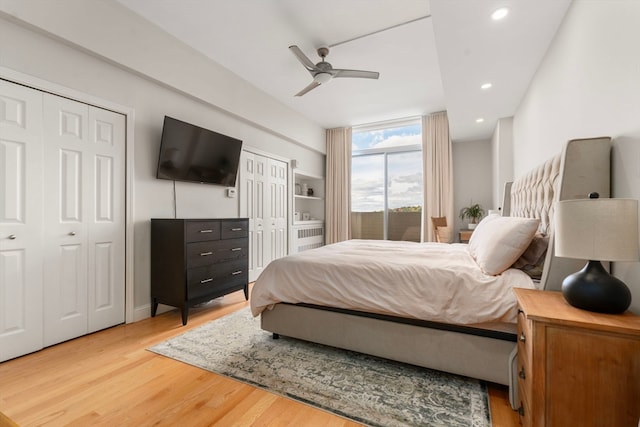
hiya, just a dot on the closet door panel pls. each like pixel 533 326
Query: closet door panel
pixel 21 160
pixel 247 207
pixel 278 208
pixel 106 219
pixel 261 209
pixel 67 193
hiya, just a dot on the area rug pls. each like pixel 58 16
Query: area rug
pixel 366 389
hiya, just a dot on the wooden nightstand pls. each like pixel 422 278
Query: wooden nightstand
pixel 576 367
pixel 465 235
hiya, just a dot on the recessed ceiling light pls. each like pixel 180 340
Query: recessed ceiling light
pixel 480 120
pixel 500 13
pixel 486 86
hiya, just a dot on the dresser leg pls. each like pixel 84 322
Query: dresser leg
pixel 246 292
pixel 154 307
pixel 185 313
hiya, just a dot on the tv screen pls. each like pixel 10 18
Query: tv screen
pixel 192 153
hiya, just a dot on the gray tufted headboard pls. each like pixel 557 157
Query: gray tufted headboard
pixel 583 167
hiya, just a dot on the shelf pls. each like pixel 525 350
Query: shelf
pixel 304 175
pixel 300 196
pixel 309 222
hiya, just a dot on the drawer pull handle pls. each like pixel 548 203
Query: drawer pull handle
pixel 206 231
pixel 236 249
pixel 236 229
pixel 12 237
pixel 206 280
pixel 521 373
pixel 206 253
pixel 235 273
pixel 523 338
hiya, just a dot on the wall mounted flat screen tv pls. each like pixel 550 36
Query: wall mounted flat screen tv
pixel 192 153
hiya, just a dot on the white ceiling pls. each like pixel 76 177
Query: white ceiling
pixel 431 64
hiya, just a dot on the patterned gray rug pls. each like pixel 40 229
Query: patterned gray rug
pixel 367 389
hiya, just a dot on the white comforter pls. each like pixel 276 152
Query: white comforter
pixel 429 281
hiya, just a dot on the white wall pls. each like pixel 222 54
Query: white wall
pixel 589 85
pixel 39 54
pixel 472 171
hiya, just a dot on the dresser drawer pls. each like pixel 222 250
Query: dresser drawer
pixel 213 252
pixel 234 229
pixel 198 231
pixel 202 281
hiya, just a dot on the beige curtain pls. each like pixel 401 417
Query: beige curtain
pixel 338 194
pixel 437 173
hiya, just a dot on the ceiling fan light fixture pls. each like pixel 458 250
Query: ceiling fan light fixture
pixel 322 78
pixel 500 13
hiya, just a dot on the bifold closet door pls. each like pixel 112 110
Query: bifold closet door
pixel 84 219
pixel 263 199
pixel 21 165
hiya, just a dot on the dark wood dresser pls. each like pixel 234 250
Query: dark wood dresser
pixel 196 260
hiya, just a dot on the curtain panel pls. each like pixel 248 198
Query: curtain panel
pixel 437 161
pixel 338 185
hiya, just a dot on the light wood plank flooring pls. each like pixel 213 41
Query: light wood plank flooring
pixel 109 379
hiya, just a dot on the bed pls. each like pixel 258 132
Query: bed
pixel 481 340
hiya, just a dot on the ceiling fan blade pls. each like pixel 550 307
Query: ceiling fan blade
pixel 355 73
pixel 313 85
pixel 310 66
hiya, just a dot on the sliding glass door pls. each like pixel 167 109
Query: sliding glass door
pixel 386 182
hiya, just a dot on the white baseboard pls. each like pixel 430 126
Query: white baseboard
pixel 144 311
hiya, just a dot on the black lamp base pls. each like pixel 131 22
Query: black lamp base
pixel 594 289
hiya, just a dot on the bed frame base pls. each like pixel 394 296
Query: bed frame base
pixel 491 359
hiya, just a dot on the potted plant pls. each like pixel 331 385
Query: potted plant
pixel 474 213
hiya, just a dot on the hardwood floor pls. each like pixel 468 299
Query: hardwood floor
pixel 110 379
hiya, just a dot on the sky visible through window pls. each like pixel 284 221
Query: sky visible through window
pixel 404 169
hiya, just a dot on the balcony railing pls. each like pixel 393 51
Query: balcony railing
pixel 402 225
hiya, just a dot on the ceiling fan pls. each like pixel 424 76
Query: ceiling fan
pixel 323 72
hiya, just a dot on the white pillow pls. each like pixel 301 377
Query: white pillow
pixel 498 241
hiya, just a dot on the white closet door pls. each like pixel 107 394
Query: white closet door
pixel 247 207
pixel 278 209
pixel 20 220
pixel 105 154
pixel 84 219
pixel 67 192
pixel 261 210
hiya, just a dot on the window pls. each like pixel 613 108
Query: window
pixel 386 181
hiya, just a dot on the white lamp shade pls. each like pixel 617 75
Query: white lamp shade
pixel 597 229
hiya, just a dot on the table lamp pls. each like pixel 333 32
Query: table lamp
pixel 597 230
